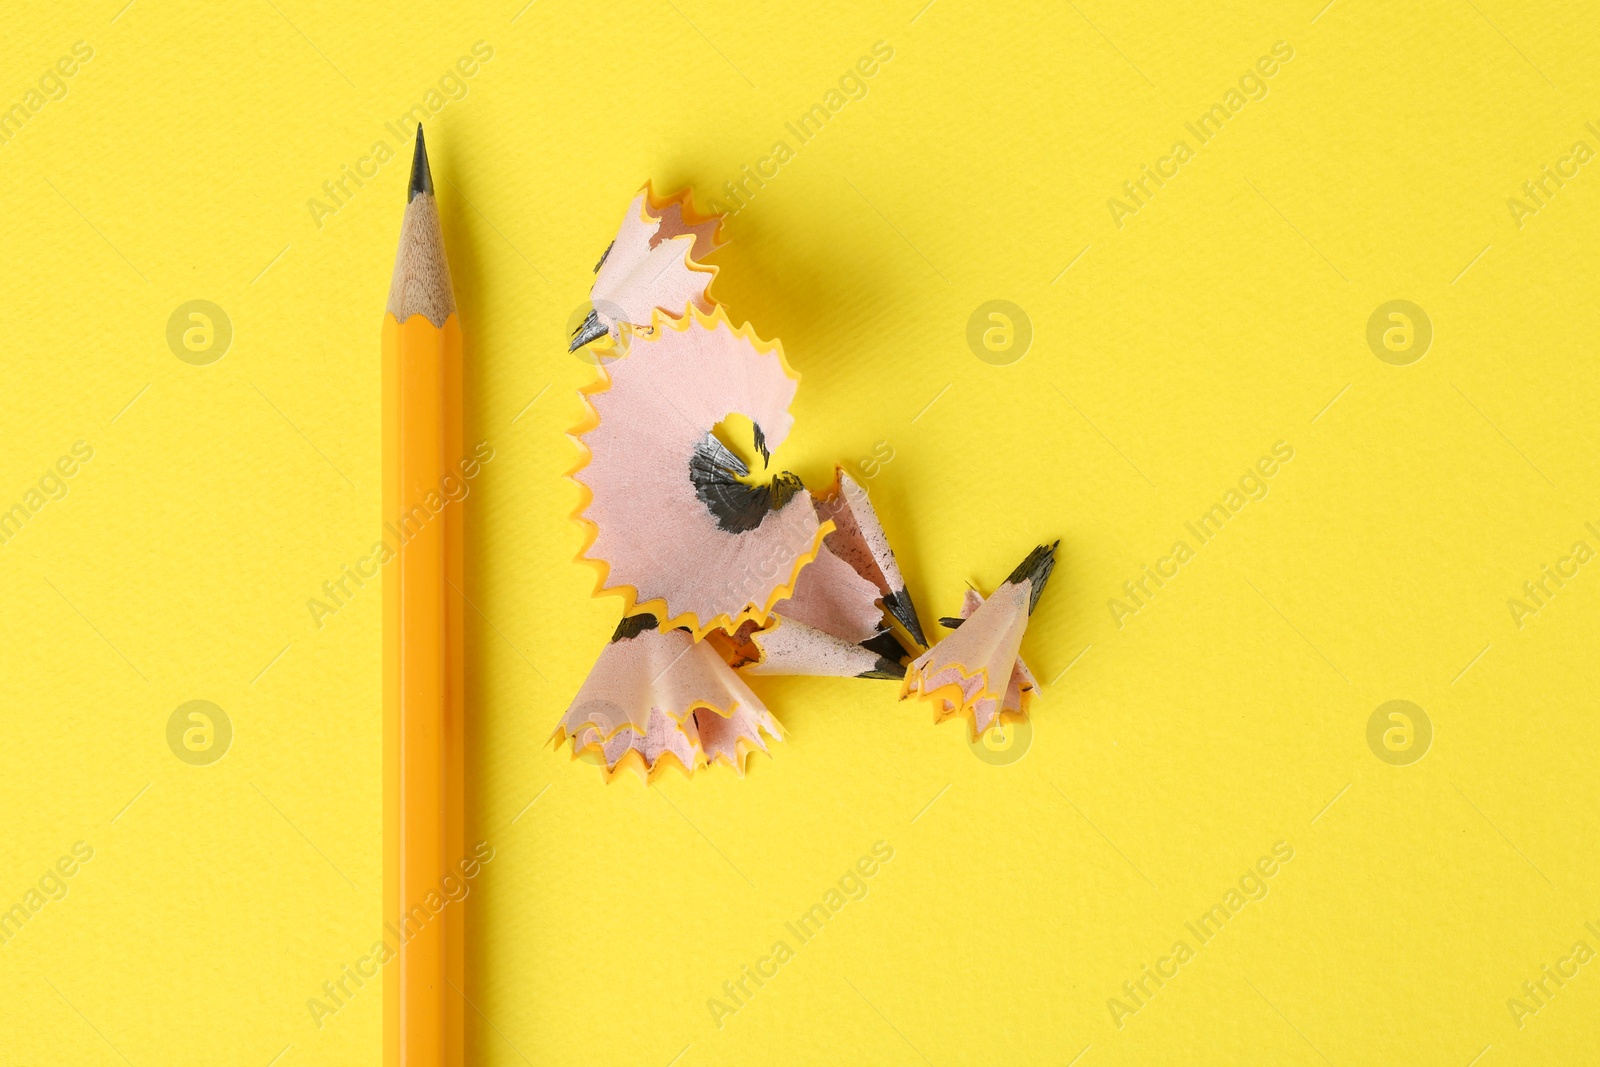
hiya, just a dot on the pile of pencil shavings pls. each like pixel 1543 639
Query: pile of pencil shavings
pixel 727 574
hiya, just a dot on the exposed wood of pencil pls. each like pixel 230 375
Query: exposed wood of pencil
pixel 423 655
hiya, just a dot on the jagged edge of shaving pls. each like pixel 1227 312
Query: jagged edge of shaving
pixel 634 760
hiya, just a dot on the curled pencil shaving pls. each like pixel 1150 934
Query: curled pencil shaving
pixel 859 540
pixel 656 699
pixel 1019 691
pixel 676 523
pixel 977 671
pixel 832 626
pixel 653 264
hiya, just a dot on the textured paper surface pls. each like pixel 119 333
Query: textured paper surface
pixel 1167 359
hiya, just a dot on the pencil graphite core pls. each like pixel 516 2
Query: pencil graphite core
pixel 423 653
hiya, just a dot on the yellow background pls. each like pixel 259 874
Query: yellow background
pixel 1228 714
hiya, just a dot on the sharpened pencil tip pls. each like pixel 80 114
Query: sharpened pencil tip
pixel 421 176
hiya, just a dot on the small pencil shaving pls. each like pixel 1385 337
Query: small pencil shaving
pixel 977 671
pixel 657 699
pixel 655 264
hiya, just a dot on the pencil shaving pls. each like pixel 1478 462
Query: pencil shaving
pixel 653 265
pixel 677 525
pixel 656 699
pixel 833 625
pixel 977 671
pixel 859 539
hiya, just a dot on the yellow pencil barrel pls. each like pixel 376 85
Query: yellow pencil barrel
pixel 423 665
